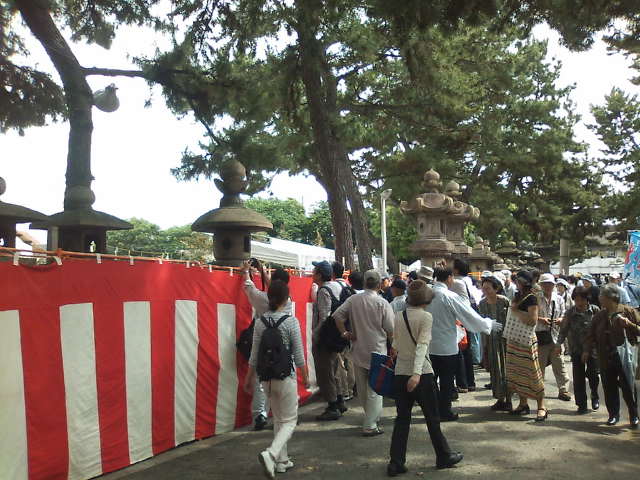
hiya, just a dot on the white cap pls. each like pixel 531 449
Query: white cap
pixel 500 277
pixel 564 283
pixel 486 273
pixel 547 278
pixel 614 275
pixel 506 273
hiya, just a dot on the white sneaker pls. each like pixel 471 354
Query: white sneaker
pixel 268 464
pixel 282 467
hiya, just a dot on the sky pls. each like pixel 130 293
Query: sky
pixel 134 148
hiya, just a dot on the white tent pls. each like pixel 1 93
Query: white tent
pixel 290 254
pixel 593 266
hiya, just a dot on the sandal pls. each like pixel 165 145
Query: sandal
pixel 372 432
pixel 542 418
pixel 521 410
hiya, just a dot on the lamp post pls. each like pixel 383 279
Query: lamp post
pixel 384 196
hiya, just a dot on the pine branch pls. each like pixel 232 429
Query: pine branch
pixel 113 72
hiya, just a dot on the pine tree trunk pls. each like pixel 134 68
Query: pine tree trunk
pixel 78 94
pixel 321 100
pixel 359 215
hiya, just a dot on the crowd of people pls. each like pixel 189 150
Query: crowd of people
pixel 439 324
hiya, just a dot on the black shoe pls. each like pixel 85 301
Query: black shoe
pixel 329 414
pixel 472 388
pixel 582 411
pixel 454 396
pixel 613 420
pixel 342 407
pixel 595 403
pixel 260 423
pixel 393 469
pixel 634 422
pixel 488 386
pixel 526 410
pixel 564 396
pixel 449 461
pixel 502 406
pixel 450 418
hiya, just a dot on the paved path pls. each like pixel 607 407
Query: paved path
pixel 495 445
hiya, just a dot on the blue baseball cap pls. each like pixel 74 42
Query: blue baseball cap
pixel 323 268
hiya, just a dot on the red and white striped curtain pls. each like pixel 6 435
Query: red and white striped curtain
pixel 104 365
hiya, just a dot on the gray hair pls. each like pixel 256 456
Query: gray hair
pixel 611 292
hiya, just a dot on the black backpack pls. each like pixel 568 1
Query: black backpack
pixel 330 337
pixel 245 340
pixel 274 359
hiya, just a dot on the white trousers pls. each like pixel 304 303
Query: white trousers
pixel 259 403
pixel 283 398
pixel 370 400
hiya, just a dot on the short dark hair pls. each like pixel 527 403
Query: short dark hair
pixel 278 294
pixel 461 266
pixel 356 279
pixel 580 292
pixel 280 274
pixel 535 274
pixel 611 292
pixel 441 274
pixel 338 269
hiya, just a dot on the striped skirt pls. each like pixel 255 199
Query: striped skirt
pixel 524 376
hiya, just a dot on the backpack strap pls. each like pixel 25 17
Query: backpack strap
pixel 406 322
pixel 333 297
pixel 269 323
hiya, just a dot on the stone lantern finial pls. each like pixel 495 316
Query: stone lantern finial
pixel 453 189
pixel 233 183
pixel 432 183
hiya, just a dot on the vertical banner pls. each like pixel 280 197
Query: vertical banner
pixel 632 261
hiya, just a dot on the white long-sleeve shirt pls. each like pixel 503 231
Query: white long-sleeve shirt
pixel 446 307
pixel 259 300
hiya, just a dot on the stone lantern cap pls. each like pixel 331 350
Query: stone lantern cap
pixel 232 214
pixel 17 213
pixel 79 213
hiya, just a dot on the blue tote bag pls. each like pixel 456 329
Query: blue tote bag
pixel 381 374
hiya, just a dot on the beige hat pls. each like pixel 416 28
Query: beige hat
pixel 547 278
pixel 425 273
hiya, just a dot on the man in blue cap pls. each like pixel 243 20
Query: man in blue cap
pixel 325 361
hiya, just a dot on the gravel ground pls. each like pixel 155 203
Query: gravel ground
pixel 495 445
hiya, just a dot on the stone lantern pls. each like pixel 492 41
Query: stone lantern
pixel 440 220
pixel 80 228
pixel 461 214
pixel 509 251
pixel 481 258
pixel 232 223
pixel 10 215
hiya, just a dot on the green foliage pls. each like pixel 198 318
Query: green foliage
pixel 291 223
pixel 147 239
pixel 30 97
pixel 401 232
pixel 618 126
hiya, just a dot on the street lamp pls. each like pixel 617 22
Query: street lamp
pixel 384 196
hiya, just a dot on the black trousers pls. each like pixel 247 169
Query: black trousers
pixel 613 378
pixel 467 369
pixel 444 369
pixel 582 372
pixel 426 396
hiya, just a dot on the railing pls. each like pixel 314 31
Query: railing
pixel 48 256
